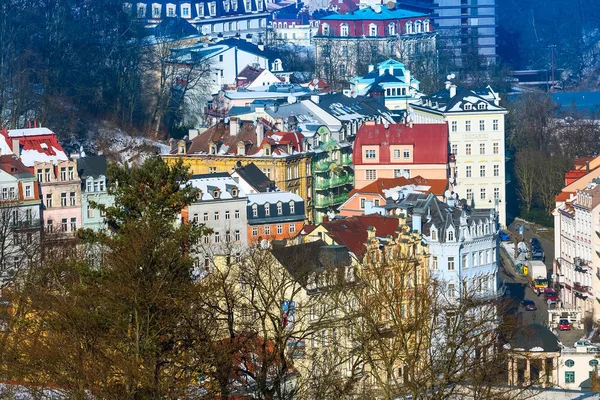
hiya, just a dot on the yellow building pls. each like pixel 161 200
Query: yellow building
pixel 222 147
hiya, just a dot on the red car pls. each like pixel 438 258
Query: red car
pixel 551 295
pixel 564 325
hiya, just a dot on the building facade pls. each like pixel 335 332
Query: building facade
pixel 475 123
pixel 274 216
pixel 94 189
pixel 396 150
pixel 346 44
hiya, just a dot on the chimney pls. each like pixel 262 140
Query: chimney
pixel 325 219
pixel 260 133
pixel 234 127
pixel 416 222
pixel 371 67
pixel 452 91
pixel 261 46
pixel 448 84
pixel 315 98
pixel 192 133
pixel 391 70
pixel 587 167
pixel 16 147
pixel 407 77
pixel 381 71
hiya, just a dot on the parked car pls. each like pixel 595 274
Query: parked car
pixel 535 243
pixel 564 325
pixel 538 254
pixel 550 294
pixel 582 343
pixel 529 305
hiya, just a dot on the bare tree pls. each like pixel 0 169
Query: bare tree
pixel 526 170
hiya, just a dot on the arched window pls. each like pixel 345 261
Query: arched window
pixel 285 25
pixel 344 31
pixel 433 234
pixel 409 27
pixel 417 26
pixel 391 29
pixel 426 26
pixel 372 30
pixel 280 25
pixel 326 29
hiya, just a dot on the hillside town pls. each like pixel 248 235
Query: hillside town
pixel 279 199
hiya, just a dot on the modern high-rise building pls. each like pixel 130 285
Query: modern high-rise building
pixel 462 25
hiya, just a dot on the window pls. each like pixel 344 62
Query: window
pixel 292 228
pixel 292 207
pixel 593 363
pixel 475 260
pixel 217 237
pixel 71 173
pixel 89 185
pixel 451 290
pixel 279 229
pixel 465 260
pixel 47 173
pixel 73 224
pixel 372 30
pixel 63 174
pixel 344 51
pixel 482 125
pixel 396 153
pixel 186 12
pixel 469 194
pixel 216 216
pixel 451 261
pixel 63 199
pixel 90 211
pixel 326 29
pixel 434 262
pixel 268 230
pixel 496 170
pixel 406 153
pixel 482 193
pixel 49 226
pixel 49 200
pixel 205 217
pixel 206 239
pixel 342 69
pixel 468 126
pixel 569 375
pixel 376 202
pixel 450 236
pixel 212 170
pixel 468 171
pixel 408 27
pixel 279 208
pixel 254 210
pixel 101 185
pixel 213 8
pixel 28 191
pixel 496 148
pixel 40 175
pixel 468 106
pixel 156 12
pixel 482 171
pixel 96 186
pixel 227 215
pixel 171 11
pixel 495 124
pixel 481 148
pixel 11 193
pixel 433 234
pixel 370 174
pixel 227 236
pixel 362 204
pixel 468 149
pixel 236 236
pixel 63 225
pixel 370 154
pixel 72 198
pixel 496 193
pixel 454 126
pixel 344 31
pixel 454 150
pixel 267 209
pixel 236 214
pixel 254 231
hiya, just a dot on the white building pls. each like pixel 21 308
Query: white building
pixel 462 242
pixel 475 123
pixel 576 367
pixel 297 29
pixel 221 206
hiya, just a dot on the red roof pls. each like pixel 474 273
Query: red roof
pixel 352 232
pixel 430 142
pixel 438 186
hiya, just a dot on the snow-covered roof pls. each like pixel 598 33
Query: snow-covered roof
pixel 208 183
pixel 36 145
pixel 29 132
pixel 273 198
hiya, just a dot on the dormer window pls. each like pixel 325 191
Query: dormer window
pixel 254 210
pixel 241 149
pixel 292 207
pixel 259 5
pixel 426 25
pixel 234 4
pixel 481 106
pixel 234 192
pixel 344 30
pixel 170 10
pixel 156 10
pixel 200 9
pixel 434 235
pixel 141 10
pixel 248 5
pixel 391 29
pixel 181 148
pixel 468 106
pixel 450 235
pixel 199 194
pixel 372 30
pixel 216 193
pixel 279 208
pixel 326 29
pixel 267 150
pixel 418 27
pixel 213 149
pixel 267 209
pixel 409 27
pixel 212 7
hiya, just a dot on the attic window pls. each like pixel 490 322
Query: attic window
pixel 213 149
pixel 241 149
pixel 44 146
pixel 181 149
pixel 267 151
pixel 234 192
pixel 216 193
pixel 468 106
pixel 481 106
pixel 433 234
pixel 450 236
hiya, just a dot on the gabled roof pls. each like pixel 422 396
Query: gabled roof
pixel 254 177
pixel 430 142
pixel 249 74
pixel 443 101
pixel 38 145
pixel 207 183
pixel 91 166
pixel 174 27
pixel 12 165
pixel 534 336
pixel 352 232
pixel 352 108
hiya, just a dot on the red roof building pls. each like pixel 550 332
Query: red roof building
pixel 398 150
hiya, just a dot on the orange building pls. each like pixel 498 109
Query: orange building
pixel 274 216
pixel 376 194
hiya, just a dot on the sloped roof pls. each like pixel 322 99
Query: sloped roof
pixel 437 186
pixel 442 101
pixel 255 178
pixel 249 74
pixel 430 141
pixel 207 183
pixel 534 336
pixel 175 27
pixel 12 165
pixel 369 13
pixel 38 145
pixel 350 108
pixel 273 198
pixel 91 166
pixel 305 259
pixel 352 232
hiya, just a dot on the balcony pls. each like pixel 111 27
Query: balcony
pixel 335 181
pixel 27 224
pixel 322 166
pixel 331 200
pixel 582 291
pixel 346 160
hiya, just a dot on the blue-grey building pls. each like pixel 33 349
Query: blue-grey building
pixel 92 171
